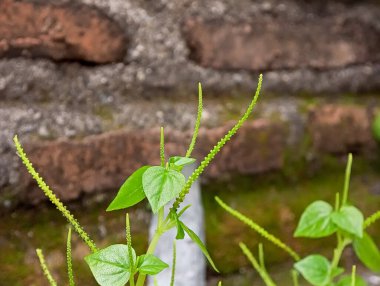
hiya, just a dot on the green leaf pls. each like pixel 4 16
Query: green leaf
pixel 180 231
pixel 349 219
pixel 316 221
pixel 200 244
pixel 150 264
pixel 181 212
pixel 346 281
pixel 161 186
pixel 367 251
pixel 131 192
pixel 181 161
pixel 336 271
pixel 110 266
pixel 315 269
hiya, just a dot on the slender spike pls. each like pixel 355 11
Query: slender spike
pixel 347 179
pixel 353 275
pixel 259 229
pixel 263 274
pixel 261 256
pixel 197 122
pixel 45 268
pixel 162 147
pixel 215 150
pixel 52 197
pixel 371 219
pixel 172 279
pixel 129 239
pixel 69 259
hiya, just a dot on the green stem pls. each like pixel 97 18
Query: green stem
pixel 347 180
pixel 151 249
pixel 153 244
pixel 295 277
pixel 342 243
pixel 262 272
pixel 132 280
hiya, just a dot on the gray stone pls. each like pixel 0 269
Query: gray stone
pixel 190 266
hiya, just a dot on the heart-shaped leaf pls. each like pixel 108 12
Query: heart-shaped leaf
pixel 150 264
pixel 315 269
pixel 110 266
pixel 131 192
pixel 316 221
pixel 200 244
pixel 367 251
pixel 161 186
pixel 349 219
pixel 181 161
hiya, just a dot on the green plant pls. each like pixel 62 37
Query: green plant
pixel 320 219
pixel 376 127
pixel 118 264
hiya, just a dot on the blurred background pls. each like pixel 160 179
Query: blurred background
pixel 86 84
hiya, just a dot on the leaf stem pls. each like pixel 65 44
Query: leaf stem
pixel 153 243
pixel 151 248
pixel 342 243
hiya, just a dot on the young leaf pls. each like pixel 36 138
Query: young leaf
pixel 131 192
pixel 180 231
pixel 316 221
pixel 110 266
pixel 346 280
pixel 336 271
pixel 161 186
pixel 150 264
pixel 200 244
pixel 181 161
pixel 367 251
pixel 181 212
pixel 315 269
pixel 349 219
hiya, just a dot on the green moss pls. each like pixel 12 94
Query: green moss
pixel 104 112
pixel 44 227
pixel 276 203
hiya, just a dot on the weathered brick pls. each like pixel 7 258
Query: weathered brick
pixel 59 32
pixel 268 43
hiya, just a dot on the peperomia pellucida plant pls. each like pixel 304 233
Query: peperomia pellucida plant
pixel 321 219
pixel 118 264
